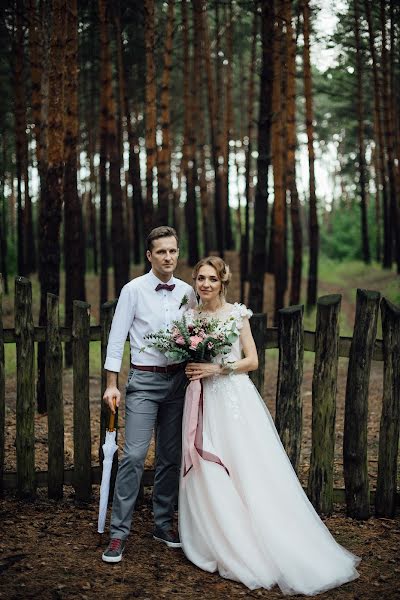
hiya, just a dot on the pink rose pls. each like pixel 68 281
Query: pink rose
pixel 175 332
pixel 195 341
pixel 180 340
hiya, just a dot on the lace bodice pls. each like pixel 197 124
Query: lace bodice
pixel 232 316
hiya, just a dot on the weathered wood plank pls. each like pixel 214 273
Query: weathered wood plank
pixel 289 407
pixel 82 436
pixel 258 325
pixel 2 389
pixel 355 442
pixel 270 340
pixel 25 417
pixel 324 386
pixel 385 500
pixel 54 395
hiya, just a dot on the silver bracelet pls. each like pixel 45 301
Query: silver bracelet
pixel 228 368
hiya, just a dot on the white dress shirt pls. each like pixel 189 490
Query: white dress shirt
pixel 140 311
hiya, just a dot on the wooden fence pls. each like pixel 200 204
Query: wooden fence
pixel 292 341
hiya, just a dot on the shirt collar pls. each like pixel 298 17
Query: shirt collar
pixel 155 281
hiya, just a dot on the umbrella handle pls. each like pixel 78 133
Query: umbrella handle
pixel 112 419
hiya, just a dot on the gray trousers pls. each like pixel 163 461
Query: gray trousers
pixel 154 402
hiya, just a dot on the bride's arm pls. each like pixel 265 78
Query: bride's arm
pixel 250 360
pixel 244 365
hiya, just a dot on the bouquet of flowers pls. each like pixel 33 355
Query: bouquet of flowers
pixel 197 340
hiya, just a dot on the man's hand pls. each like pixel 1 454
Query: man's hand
pixel 112 393
pixel 201 370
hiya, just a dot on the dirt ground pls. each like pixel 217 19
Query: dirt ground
pixel 51 550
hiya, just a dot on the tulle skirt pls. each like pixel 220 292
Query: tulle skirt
pixel 249 518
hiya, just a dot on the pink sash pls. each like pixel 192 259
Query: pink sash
pixel 192 434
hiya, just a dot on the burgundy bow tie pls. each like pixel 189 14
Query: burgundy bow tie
pixel 165 286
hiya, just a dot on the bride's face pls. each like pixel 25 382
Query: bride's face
pixel 208 285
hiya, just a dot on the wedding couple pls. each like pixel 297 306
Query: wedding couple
pixel 242 511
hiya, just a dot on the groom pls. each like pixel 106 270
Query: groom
pixel 154 392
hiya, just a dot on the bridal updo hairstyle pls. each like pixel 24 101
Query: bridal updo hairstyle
pixel 222 269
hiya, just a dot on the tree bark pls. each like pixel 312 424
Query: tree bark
pixel 150 111
pixel 388 134
pixel 245 245
pixel 387 235
pixel 74 242
pixel 279 207
pixel 295 287
pixel 313 218
pixel 51 199
pixel 164 153
pixel 258 260
pixel 360 131
pixel 189 141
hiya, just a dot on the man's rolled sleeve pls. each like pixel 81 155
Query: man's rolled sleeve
pixel 123 317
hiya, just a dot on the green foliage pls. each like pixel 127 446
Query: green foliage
pixel 341 236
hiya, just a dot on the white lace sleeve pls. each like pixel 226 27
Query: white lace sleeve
pixel 241 312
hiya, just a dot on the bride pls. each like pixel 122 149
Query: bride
pixel 242 510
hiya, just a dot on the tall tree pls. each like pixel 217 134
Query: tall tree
pixel 277 147
pixel 216 149
pixel 164 153
pixel 381 171
pixel 20 131
pixel 74 242
pixel 361 144
pixel 150 110
pixel 313 217
pixel 245 242
pixel 389 137
pixel 51 199
pixel 297 235
pixel 258 261
pixel 189 144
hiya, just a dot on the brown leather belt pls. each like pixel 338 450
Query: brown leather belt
pixel 155 369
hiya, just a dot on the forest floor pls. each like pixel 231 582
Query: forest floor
pixel 51 549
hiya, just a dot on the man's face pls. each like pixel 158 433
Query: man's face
pixel 163 257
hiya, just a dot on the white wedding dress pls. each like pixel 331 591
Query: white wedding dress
pixel 249 518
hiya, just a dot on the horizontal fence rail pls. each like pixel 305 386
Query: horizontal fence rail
pixel 289 338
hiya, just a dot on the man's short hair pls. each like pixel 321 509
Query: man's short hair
pixel 160 232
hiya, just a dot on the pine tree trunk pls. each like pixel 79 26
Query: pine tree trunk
pixel 361 145
pixel 388 135
pixel 20 131
pixel 229 123
pixel 256 296
pixel 245 245
pixel 216 149
pixel 199 124
pixel 387 236
pixel 74 241
pixel 313 219
pixel 189 142
pixel 51 199
pixel 150 111
pixel 118 233
pixel 295 287
pixel 164 153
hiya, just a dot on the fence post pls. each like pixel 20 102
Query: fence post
pixel 82 436
pixel 55 405
pixel 25 418
pixel 355 452
pixel 385 497
pixel 2 390
pixel 289 407
pixel 324 386
pixel 258 325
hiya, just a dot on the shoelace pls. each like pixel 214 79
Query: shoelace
pixel 115 544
